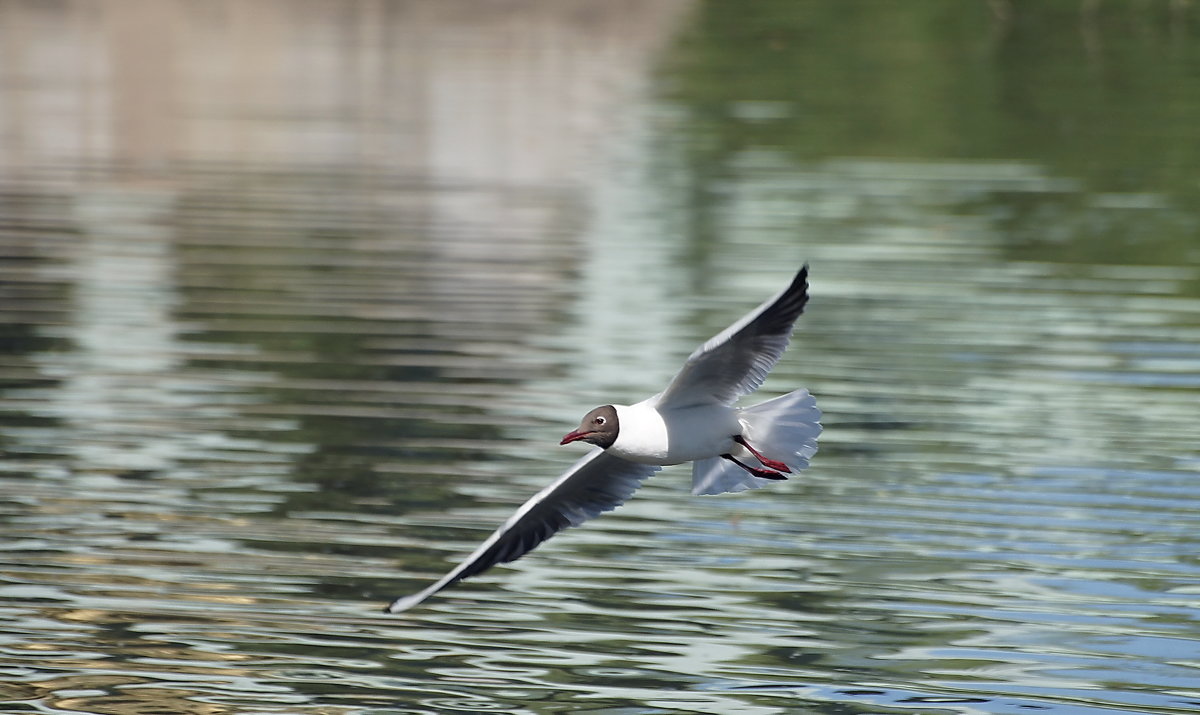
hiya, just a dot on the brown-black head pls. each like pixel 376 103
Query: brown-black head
pixel 598 427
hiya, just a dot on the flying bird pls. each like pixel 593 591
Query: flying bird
pixel 692 420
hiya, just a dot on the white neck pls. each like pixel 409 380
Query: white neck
pixel 641 436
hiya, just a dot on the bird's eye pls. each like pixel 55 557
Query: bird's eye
pixel 599 420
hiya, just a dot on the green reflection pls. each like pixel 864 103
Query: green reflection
pixel 1106 96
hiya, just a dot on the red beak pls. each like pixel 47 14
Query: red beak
pixel 573 437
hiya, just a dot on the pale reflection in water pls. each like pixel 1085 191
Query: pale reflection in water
pixel 297 300
pixel 115 398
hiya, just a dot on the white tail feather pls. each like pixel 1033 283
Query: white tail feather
pixel 784 429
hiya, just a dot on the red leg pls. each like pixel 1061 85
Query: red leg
pixel 769 463
pixel 756 471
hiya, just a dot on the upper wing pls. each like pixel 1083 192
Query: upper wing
pixel 597 483
pixel 736 361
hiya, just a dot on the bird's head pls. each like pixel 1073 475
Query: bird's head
pixel 598 427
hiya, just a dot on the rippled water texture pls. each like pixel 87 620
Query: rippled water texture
pixel 296 300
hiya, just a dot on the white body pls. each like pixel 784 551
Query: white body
pixel 786 428
pixel 650 435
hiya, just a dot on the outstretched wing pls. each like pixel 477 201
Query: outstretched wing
pixel 736 361
pixel 597 483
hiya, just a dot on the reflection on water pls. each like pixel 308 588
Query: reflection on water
pixel 296 300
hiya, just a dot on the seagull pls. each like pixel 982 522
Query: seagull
pixel 693 420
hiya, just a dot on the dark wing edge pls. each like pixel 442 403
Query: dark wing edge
pixel 737 360
pixel 596 483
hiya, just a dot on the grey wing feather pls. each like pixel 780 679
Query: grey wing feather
pixel 736 361
pixel 597 483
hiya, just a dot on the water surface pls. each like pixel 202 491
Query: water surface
pixel 289 327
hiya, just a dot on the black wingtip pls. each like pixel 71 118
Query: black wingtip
pixel 797 292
